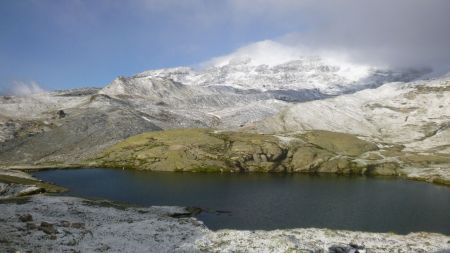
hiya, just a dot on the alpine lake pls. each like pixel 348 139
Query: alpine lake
pixel 272 201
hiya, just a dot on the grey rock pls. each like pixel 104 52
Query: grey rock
pixel 31 191
pixel 31 226
pixel 351 248
pixel 102 248
pixel 77 225
pixel 48 228
pixel 25 217
pixel 61 114
pixel 64 223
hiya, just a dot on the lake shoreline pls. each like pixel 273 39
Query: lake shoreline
pixel 18 235
pixel 52 223
pixel 430 176
pixel 213 151
pixel 272 200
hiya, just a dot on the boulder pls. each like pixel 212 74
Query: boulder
pixel 25 217
pixel 308 158
pixel 48 228
pixel 31 191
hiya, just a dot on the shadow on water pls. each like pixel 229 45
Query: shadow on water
pixel 273 201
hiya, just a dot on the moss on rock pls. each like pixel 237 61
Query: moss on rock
pixel 200 150
pixel 205 150
pixel 383 169
pixel 424 159
pixel 309 159
pixel 339 143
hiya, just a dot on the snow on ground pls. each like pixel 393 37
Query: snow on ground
pixel 415 114
pixel 269 65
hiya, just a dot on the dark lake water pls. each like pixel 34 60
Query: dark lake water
pixel 273 201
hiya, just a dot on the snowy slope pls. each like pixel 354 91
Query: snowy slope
pixel 260 81
pixel 268 65
pixel 416 114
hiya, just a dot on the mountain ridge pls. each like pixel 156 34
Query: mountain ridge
pixel 73 126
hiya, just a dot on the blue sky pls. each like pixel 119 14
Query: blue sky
pixel 70 43
pixel 73 43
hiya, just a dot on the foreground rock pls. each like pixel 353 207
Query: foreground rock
pixel 66 224
pixel 320 240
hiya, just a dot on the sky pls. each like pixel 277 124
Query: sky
pixel 60 44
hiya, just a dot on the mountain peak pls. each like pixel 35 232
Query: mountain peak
pixel 265 52
pixel 269 65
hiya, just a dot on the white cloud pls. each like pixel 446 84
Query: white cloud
pixel 264 52
pixel 399 33
pixel 273 53
pixel 20 88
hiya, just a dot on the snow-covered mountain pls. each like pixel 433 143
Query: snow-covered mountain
pixel 268 65
pixel 265 87
pixel 246 86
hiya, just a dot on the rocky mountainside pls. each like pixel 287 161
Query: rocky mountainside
pixel 250 90
pixel 62 126
pixel 414 114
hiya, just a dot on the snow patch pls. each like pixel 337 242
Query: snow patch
pixel 146 119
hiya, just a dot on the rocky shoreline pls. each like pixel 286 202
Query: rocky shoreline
pixel 208 150
pixel 36 222
pixel 66 224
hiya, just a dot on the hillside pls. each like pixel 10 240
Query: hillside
pixel 250 92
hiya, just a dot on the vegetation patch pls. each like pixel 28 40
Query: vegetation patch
pixel 205 150
pixel 339 143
